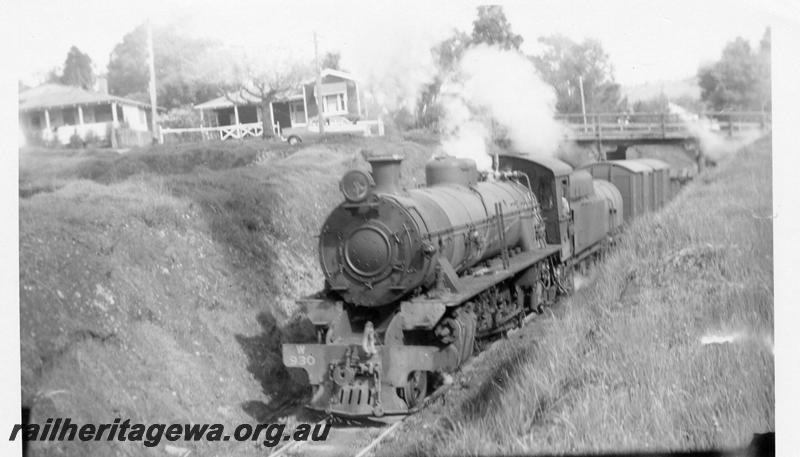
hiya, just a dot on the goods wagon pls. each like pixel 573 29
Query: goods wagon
pixel 630 178
pixel 660 190
pixel 612 196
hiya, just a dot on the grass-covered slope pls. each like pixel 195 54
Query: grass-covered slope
pixel 162 295
pixel 625 367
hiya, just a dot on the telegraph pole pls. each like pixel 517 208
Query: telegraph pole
pixel 318 90
pixel 152 66
pixel 583 102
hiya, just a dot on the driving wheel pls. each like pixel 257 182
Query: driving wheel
pixel 416 388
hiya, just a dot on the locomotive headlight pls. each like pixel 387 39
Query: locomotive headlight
pixel 356 185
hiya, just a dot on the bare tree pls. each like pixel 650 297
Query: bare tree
pixel 264 86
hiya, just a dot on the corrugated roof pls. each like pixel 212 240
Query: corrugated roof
pixel 57 95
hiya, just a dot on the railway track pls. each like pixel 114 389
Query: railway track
pixel 352 437
pixel 358 438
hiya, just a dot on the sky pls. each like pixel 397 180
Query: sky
pixel 647 41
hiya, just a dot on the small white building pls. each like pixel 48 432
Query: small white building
pixel 55 112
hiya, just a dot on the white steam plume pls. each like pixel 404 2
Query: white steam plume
pixel 715 144
pixel 495 84
pixel 394 73
pixel 391 51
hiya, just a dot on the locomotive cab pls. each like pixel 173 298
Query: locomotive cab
pixel 550 179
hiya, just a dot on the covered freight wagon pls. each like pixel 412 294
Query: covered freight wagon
pixel 631 178
pixel 613 198
pixel 660 188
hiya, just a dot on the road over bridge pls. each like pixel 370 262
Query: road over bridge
pixel 613 133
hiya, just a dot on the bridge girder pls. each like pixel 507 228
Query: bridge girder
pixel 617 149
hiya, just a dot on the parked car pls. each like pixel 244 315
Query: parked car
pixel 333 125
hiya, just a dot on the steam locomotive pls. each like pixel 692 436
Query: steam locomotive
pixel 413 277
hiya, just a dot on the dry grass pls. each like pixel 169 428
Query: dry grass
pixel 624 367
pixel 162 284
pixel 164 295
pixel 45 170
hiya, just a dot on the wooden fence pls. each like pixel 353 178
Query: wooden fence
pixel 255 130
pixel 223 132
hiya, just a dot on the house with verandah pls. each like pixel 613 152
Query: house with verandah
pixel 237 114
pixel 56 113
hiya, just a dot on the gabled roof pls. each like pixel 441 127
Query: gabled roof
pixel 243 98
pixel 240 98
pixel 228 100
pixel 58 95
pixel 331 72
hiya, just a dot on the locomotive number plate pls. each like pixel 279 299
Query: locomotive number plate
pixel 296 356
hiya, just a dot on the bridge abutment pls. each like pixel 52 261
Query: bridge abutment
pixel 620 153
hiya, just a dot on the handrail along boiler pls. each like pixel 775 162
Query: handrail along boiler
pixel 414 276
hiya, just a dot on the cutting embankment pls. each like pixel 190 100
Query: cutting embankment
pixel 157 286
pixel 667 344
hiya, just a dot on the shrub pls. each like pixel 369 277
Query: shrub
pixel 180 118
pixel 94 140
pixel 75 141
pixel 352 117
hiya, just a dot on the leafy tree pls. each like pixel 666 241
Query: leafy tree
pixel 331 60
pixel 564 62
pixel 658 104
pixel 492 28
pixel 53 76
pixel 740 79
pixel 446 56
pixel 180 118
pixel 447 53
pixel 127 67
pixel 78 69
pixel 265 84
pixel 188 70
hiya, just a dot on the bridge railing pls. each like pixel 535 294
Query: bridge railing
pixel 662 125
pixel 738 121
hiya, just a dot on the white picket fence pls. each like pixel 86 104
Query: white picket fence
pixel 223 132
pixel 255 130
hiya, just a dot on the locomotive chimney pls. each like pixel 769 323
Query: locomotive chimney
pixel 386 172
